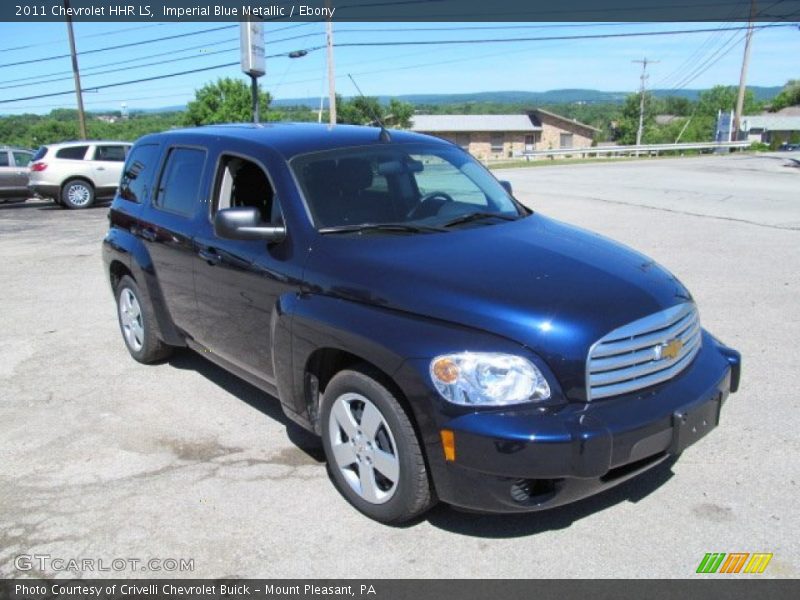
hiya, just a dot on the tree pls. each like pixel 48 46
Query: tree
pixel 788 96
pixel 363 110
pixel 629 119
pixel 225 101
pixel 722 97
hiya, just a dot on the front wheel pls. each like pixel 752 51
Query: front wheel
pixel 374 457
pixel 77 194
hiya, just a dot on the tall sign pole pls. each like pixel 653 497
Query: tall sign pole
pixel 251 38
pixel 737 117
pixel 75 72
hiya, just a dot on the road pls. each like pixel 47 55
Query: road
pixel 105 458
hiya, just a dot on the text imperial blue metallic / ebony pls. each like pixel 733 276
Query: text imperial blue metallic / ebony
pixel 445 341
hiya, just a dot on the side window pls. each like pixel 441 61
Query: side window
pixel 112 153
pixel 439 175
pixel 72 152
pixel 4 162
pixel 22 159
pixel 138 172
pixel 241 182
pixel 179 185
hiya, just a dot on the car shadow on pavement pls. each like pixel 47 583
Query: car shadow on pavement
pixel 518 525
pixel 263 402
pixel 42 204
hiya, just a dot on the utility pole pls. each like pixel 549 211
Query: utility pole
pixel 737 115
pixel 642 87
pixel 331 71
pixel 75 72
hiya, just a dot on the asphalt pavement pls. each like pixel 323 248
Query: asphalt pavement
pixel 104 458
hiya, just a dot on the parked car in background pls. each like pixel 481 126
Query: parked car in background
pixel 444 340
pixel 14 173
pixel 75 174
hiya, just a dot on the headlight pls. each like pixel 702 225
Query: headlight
pixel 488 379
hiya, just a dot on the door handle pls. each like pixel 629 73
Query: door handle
pixel 101 168
pixel 210 256
pixel 148 234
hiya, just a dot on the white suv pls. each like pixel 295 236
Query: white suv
pixel 74 174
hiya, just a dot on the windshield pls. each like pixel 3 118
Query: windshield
pixel 423 187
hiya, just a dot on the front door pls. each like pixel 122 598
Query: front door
pixel 238 282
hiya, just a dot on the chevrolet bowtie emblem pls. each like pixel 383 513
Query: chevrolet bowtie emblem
pixel 668 350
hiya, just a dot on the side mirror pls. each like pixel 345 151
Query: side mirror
pixel 244 223
pixel 507 186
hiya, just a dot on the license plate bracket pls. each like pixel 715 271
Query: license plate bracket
pixel 692 423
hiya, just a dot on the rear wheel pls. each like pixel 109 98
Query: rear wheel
pixel 374 457
pixel 137 323
pixel 77 193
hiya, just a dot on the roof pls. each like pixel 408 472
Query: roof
pixel 291 139
pixel 774 122
pixel 87 142
pixel 538 112
pixel 789 111
pixel 469 123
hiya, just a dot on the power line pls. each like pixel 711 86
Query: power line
pixel 414 43
pixel 118 46
pixel 713 59
pixel 38 78
pixel 90 35
pixel 548 38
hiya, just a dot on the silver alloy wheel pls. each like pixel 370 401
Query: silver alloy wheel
pixel 130 315
pixel 78 194
pixel 364 448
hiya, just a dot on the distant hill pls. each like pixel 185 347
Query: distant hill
pixel 566 96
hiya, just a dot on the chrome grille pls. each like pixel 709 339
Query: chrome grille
pixel 643 353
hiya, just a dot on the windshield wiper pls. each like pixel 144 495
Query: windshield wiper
pixel 478 216
pixel 399 227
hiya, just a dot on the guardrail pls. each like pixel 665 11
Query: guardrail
pixel 647 149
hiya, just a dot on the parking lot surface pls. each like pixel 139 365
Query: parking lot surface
pixel 105 458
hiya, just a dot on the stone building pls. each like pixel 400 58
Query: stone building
pixel 494 137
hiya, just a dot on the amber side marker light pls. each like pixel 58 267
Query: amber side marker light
pixel 449 444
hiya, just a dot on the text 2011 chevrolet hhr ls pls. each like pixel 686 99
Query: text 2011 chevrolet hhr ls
pixel 446 342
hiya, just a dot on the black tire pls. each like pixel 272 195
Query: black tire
pixel 77 194
pixel 146 347
pixel 412 495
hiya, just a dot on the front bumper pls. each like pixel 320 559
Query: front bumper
pixel 533 459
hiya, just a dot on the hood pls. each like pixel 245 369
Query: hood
pixel 549 286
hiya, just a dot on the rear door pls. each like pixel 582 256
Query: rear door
pixel 168 226
pixel 107 161
pixel 7 175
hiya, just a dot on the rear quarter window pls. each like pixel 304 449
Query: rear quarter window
pixel 137 175
pixel 110 153
pixel 72 152
pixel 40 153
pixel 22 159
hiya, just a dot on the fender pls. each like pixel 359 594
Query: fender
pixel 383 337
pixel 120 244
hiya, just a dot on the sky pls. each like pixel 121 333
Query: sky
pixel 698 60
